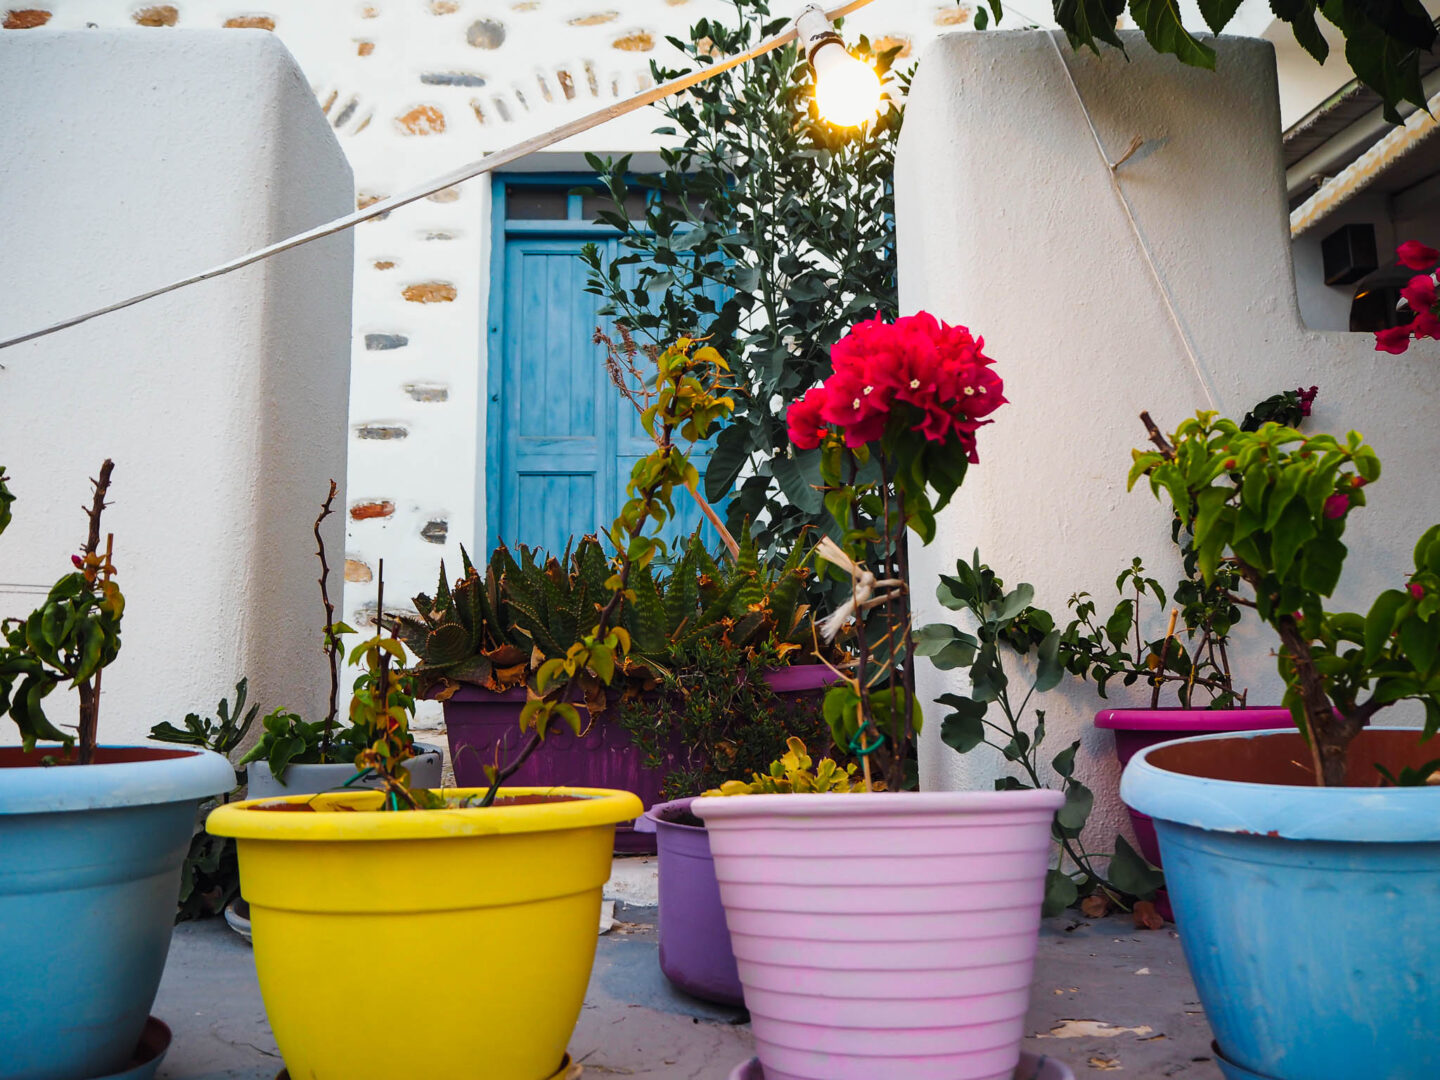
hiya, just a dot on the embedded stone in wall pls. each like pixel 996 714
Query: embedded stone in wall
pixel 435 531
pixel 384 264
pixel 365 511
pixel 893 41
pixel 422 120
pixel 382 431
pixel 567 84
pixel 452 78
pixel 640 41
pixel 162 15
pixel 958 15
pixel 369 12
pixel 368 198
pixel 430 292
pixel 428 391
pixel 251 22
pixel 356 570
pixel 25 18
pixel 486 34
pixel 595 20
pixel 445 195
pixel 526 5
pixel 364 48
pixel 382 342
pixel 443 7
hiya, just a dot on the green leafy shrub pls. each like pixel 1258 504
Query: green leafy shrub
pixel 1273 505
pixel 795 773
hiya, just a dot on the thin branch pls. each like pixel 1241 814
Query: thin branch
pixel 89 689
pixel 332 644
pixel 1161 443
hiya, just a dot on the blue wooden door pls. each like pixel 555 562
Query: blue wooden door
pixel 561 439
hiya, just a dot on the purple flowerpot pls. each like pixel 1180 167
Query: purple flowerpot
pixel 478 721
pixel 1136 729
pixel 695 952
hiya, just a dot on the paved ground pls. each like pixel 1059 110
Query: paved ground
pixel 1106 998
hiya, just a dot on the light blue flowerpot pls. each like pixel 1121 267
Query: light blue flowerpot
pixel 1306 913
pixel 90 862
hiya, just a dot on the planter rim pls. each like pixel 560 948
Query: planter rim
pixel 1172 718
pixel 589 808
pixel 874 804
pixel 421 750
pixel 657 814
pixel 188 774
pixel 1286 811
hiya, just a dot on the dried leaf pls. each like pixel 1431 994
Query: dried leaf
pixel 1146 917
pixel 1095 906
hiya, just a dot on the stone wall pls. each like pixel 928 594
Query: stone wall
pixel 412 89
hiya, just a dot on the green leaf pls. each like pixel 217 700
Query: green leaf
pixel 1060 893
pixel 1160 20
pixel 797 483
pixel 1064 762
pixel 1130 873
pixel 1088 21
pixel 1079 801
pixel 1015 602
pixel 1049 671
pixel 963 729
pixel 732 451
pixel 1218 13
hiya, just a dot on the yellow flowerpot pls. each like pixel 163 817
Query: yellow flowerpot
pixel 509 894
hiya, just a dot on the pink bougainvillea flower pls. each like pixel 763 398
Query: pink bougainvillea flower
pixel 1416 256
pixel 807 429
pixel 1336 505
pixel 1307 398
pixel 79 562
pixel 1420 293
pixel 1416 590
pixel 1393 339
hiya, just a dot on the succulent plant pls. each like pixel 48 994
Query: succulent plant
pixel 494 629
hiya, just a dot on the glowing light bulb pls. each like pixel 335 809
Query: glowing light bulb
pixel 847 90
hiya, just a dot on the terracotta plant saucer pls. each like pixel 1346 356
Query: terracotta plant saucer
pixel 568 1071
pixel 149 1052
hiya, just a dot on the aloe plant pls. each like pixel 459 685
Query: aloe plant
pixel 494 629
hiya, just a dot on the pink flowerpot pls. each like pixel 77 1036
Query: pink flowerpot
pixel 1136 729
pixel 1030 1068
pixel 884 936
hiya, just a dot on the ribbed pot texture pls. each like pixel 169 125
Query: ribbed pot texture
pixel 884 935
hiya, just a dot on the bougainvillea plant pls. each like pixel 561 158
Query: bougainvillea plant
pixel 1418 296
pixel 1273 504
pixel 896 425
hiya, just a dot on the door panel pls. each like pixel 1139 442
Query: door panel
pixel 565 439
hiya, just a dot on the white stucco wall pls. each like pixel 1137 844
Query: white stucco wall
pixel 128 158
pixel 1008 223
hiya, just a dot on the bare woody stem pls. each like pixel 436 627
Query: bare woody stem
pixel 90 688
pixel 332 644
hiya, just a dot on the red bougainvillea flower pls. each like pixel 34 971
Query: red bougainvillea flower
pixel 1336 505
pixel 1416 256
pixel 1307 398
pixel 1425 325
pixel 1420 293
pixel 1416 590
pixel 79 562
pixel 1393 339
pixel 927 376
pixel 807 429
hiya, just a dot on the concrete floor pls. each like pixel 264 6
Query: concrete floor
pixel 1106 998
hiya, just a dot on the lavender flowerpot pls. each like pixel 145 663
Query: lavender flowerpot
pixel 1137 729
pixel 940 890
pixel 480 721
pixel 695 952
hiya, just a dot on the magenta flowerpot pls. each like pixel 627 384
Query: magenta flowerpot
pixel 695 952
pixel 886 935
pixel 1136 729
pixel 479 722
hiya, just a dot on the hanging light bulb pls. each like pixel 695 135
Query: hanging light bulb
pixel 847 90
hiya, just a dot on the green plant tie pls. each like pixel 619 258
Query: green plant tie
pixel 358 776
pixel 866 751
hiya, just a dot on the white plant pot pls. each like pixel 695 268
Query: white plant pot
pixel 425 769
